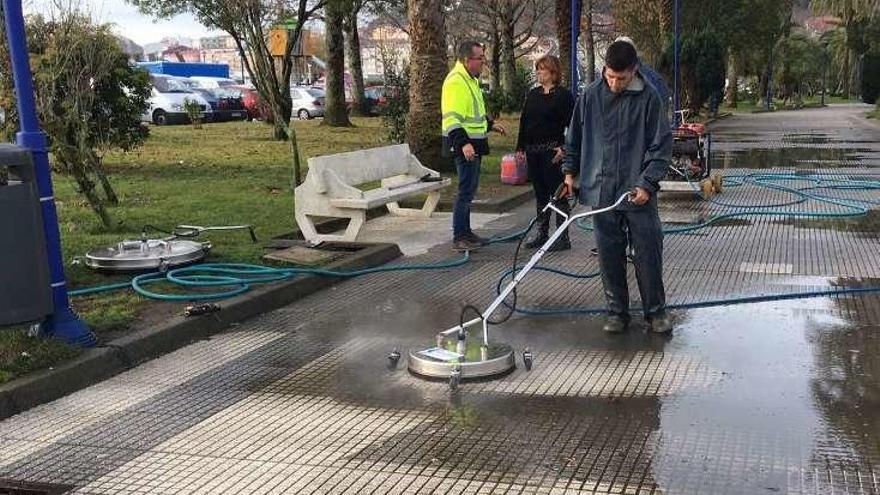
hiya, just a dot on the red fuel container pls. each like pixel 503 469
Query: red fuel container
pixel 513 171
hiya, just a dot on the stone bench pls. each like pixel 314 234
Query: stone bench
pixel 330 189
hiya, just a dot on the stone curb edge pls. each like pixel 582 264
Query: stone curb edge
pixel 101 363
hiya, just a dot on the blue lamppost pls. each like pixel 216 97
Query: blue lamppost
pixel 63 323
pixel 676 69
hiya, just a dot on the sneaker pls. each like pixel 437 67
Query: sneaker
pixel 661 323
pixel 615 324
pixel 561 244
pixel 474 237
pixel 465 244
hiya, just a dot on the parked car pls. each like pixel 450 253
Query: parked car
pixel 252 103
pixel 213 82
pixel 168 99
pixel 308 103
pixel 226 103
pixel 377 98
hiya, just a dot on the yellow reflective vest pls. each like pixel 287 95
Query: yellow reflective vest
pixel 462 104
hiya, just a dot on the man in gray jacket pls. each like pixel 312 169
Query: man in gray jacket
pixel 619 140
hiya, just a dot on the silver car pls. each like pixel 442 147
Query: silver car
pixel 308 102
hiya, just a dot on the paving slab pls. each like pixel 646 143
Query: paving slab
pixel 771 397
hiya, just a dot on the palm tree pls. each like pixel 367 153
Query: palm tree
pixel 428 66
pixel 850 12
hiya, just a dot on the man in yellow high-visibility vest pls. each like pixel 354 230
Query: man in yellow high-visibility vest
pixel 465 129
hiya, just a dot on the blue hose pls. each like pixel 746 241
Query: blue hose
pixel 238 278
pixel 241 277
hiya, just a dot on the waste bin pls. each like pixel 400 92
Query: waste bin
pixel 25 294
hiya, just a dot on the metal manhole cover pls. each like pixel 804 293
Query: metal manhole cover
pixel 15 487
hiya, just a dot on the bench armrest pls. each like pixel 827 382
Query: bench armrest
pixel 416 169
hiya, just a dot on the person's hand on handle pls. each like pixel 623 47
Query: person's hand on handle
pixel 640 196
pixel 560 154
pixel 569 186
pixel 468 152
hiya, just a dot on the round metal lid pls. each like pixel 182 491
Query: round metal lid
pixel 499 361
pixel 147 254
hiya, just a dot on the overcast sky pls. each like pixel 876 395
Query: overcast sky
pixel 131 24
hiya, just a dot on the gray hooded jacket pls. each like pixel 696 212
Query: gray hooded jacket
pixel 616 142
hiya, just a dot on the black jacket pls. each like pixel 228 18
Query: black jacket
pixel 544 118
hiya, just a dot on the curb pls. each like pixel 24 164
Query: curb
pixel 101 363
pixel 719 117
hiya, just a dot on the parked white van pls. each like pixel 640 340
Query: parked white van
pixel 168 100
pixel 213 82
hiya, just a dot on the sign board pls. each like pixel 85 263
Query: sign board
pixel 277 42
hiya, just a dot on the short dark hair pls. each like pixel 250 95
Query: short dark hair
pixel 466 49
pixel 621 56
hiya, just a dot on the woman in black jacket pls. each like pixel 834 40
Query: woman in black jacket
pixel 541 142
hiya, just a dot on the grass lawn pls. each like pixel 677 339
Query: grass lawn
pixel 222 174
pixel 875 114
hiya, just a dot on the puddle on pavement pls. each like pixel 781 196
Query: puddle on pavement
pixel 801 157
pixel 865 226
pixel 799 385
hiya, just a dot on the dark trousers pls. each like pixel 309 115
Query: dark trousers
pixel 546 177
pixel 645 236
pixel 468 180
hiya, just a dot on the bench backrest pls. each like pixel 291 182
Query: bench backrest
pixel 362 166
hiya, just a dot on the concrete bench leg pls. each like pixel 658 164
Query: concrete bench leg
pixel 425 211
pixel 307 227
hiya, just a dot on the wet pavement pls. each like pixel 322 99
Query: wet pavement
pixel 771 397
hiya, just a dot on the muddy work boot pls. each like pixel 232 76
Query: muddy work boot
pixel 541 236
pixel 466 244
pixel 661 323
pixel 615 324
pixel 537 240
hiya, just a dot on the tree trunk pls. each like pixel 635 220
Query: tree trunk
pixel 508 58
pixel 590 42
pixel 667 17
pixel 353 46
pixel 495 61
pixel 732 93
pixel 281 114
pixel 335 112
pixel 563 34
pixel 86 187
pixel 428 66
pixel 101 173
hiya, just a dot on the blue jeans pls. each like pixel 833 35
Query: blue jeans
pixel 468 180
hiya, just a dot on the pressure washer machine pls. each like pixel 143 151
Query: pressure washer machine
pixel 691 161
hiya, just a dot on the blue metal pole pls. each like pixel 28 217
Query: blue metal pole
pixel 575 31
pixel 676 68
pixel 63 323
